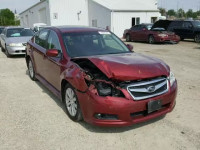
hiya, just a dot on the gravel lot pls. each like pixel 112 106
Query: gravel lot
pixel 33 118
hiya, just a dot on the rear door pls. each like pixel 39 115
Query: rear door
pixel 187 30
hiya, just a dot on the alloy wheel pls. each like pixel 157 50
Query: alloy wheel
pixel 71 102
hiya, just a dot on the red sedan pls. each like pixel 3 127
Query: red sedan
pixel 99 78
pixel 145 33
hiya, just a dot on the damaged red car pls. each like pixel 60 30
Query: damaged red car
pixel 99 78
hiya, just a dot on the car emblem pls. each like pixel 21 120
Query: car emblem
pixel 151 89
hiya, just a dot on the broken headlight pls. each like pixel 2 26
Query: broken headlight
pixel 104 89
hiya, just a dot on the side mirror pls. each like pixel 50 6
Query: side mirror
pixel 52 53
pixel 130 47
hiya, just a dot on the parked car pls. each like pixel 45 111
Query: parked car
pixel 14 40
pixel 189 29
pixel 38 26
pixel 99 78
pixel 145 33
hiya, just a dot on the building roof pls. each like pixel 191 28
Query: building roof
pixel 129 5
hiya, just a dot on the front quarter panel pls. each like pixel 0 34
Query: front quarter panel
pixel 75 76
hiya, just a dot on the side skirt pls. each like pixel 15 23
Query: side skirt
pixel 49 87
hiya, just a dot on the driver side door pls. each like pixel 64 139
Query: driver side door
pixel 52 65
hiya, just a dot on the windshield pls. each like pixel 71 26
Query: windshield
pixel 93 43
pixel 19 32
pixel 197 24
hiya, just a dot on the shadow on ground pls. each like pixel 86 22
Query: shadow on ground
pixel 93 128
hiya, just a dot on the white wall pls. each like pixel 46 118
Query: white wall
pixel 65 12
pixel 123 20
pixel 37 14
pixel 99 13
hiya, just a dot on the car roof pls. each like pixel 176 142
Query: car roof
pixel 66 29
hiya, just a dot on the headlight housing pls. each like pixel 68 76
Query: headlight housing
pixel 171 79
pixel 162 35
pixel 104 89
pixel 15 44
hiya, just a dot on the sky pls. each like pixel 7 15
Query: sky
pixel 184 4
pixel 21 5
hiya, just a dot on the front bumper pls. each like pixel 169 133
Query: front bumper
pixel 128 112
pixel 172 39
pixel 18 50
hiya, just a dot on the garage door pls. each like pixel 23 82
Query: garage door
pixel 42 15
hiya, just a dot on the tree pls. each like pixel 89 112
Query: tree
pixel 181 13
pixel 189 13
pixel 171 12
pixel 7 17
pixel 163 11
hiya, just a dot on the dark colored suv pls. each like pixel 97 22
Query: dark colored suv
pixel 185 29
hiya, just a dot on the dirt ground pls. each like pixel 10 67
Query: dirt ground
pixel 32 118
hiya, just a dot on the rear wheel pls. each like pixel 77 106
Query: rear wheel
pixel 128 38
pixel 72 103
pixel 151 39
pixel 31 70
pixel 197 38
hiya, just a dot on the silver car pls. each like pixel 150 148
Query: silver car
pixel 13 40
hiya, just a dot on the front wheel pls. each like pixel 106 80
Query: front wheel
pixel 151 39
pixel 7 53
pixel 197 38
pixel 72 103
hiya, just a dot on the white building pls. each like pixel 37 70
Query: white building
pixel 116 15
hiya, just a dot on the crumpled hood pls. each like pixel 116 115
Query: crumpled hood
pixel 18 39
pixel 130 66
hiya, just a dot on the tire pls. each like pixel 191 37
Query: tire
pixel 128 38
pixel 72 104
pixel 197 38
pixel 151 39
pixel 7 53
pixel 31 70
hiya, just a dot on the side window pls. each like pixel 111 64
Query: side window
pixel 140 28
pixel 134 28
pixel 41 38
pixel 175 25
pixel 187 25
pixel 53 41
